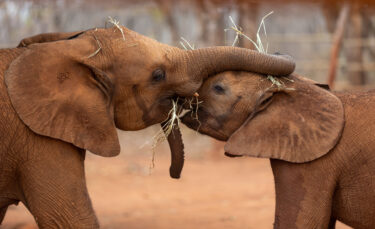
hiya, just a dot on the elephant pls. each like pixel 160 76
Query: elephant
pixel 320 143
pixel 64 93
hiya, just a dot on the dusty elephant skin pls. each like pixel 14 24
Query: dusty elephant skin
pixel 64 93
pixel 321 144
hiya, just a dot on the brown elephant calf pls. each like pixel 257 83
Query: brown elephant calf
pixel 321 143
pixel 64 93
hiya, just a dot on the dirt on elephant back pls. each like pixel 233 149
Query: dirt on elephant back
pixel 214 192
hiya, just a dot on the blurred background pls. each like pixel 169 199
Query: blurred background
pixel 332 42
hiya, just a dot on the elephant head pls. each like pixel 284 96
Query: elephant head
pixel 78 87
pixel 297 120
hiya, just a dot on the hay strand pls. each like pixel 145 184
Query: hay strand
pixel 116 24
pixel 259 44
pixel 98 50
pixel 166 129
pixel 186 45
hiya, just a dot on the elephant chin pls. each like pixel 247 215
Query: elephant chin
pixel 201 125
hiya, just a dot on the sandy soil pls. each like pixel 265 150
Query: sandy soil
pixel 214 192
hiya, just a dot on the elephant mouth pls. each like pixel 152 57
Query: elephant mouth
pixel 157 112
pixel 166 108
pixel 190 121
pixel 166 103
pixel 201 121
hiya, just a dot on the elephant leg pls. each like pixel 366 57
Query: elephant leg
pixel 332 223
pixel 4 204
pixel 303 199
pixel 55 192
pixel 2 213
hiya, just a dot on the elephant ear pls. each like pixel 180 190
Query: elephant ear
pixel 48 37
pixel 57 93
pixel 297 126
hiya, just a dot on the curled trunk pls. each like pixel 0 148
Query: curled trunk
pixel 218 59
pixel 201 63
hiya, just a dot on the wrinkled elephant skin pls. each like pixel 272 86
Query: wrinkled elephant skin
pixel 321 144
pixel 64 93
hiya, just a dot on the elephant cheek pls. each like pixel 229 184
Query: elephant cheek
pixel 206 125
pixel 129 118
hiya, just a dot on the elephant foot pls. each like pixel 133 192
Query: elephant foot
pixel 4 203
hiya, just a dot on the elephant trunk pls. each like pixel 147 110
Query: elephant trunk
pixel 201 63
pixel 218 59
pixel 177 152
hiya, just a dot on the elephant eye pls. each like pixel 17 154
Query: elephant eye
pixel 219 89
pixel 158 75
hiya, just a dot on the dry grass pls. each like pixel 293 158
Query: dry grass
pixel 195 100
pixel 260 46
pixel 193 103
pixel 186 45
pixel 259 43
pixel 98 50
pixel 173 116
pixel 173 119
pixel 116 24
pixel 166 129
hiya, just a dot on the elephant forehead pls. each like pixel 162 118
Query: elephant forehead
pixel 240 81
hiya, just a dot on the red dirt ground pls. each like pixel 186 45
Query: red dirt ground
pixel 214 192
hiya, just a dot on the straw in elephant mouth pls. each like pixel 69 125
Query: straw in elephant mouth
pixel 172 120
pixel 178 105
pixel 193 106
pixel 192 103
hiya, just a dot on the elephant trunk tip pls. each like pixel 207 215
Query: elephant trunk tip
pixel 174 174
pixel 177 152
